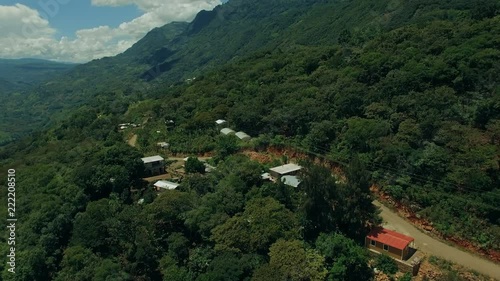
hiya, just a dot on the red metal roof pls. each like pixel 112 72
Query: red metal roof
pixel 390 238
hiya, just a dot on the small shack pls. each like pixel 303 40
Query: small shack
pixel 283 170
pixel 227 131
pixel 243 136
pixel 165 185
pixel 220 122
pixel 390 242
pixel 154 165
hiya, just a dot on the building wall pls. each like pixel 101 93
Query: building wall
pixel 155 168
pixel 379 247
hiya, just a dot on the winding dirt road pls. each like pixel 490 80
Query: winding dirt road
pixel 432 246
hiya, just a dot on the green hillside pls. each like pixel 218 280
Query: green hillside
pixel 20 74
pixel 179 51
pixel 399 94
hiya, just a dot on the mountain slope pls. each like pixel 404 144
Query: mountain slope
pixel 179 51
pixel 20 74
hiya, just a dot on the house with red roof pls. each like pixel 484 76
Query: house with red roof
pixel 389 242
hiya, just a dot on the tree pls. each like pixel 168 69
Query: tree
pixel 253 231
pixel 78 263
pixel 166 213
pixel 225 266
pixel 109 270
pixel 193 165
pixel 345 260
pixel 225 146
pixel 386 264
pixel 91 227
pixel 355 206
pixel 319 201
pixel 293 262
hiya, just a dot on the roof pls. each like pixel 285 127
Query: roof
pixel 220 121
pixel 166 185
pixel 266 176
pixel 390 238
pixel 151 159
pixel 242 135
pixel 290 180
pixel 227 131
pixel 285 169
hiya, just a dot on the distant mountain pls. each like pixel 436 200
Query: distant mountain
pixel 19 74
pixel 238 28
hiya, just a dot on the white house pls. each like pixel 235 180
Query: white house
pixel 166 185
pixel 227 131
pixel 243 136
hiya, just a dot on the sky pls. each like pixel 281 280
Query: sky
pixel 83 30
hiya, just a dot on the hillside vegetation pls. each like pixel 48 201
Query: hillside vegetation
pixel 401 94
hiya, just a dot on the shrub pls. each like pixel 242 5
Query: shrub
pixel 386 264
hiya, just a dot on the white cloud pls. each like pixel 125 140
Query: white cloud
pixel 25 33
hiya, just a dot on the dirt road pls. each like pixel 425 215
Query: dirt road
pixel 432 246
pixel 133 140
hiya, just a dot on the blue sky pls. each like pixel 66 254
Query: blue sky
pixel 78 14
pixel 83 30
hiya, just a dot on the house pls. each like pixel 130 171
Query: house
pixel 163 144
pixel 287 169
pixel 390 242
pixel 220 122
pixel 166 185
pixel 266 176
pixel 243 136
pixel 209 168
pixel 154 165
pixel 227 131
pixel 292 181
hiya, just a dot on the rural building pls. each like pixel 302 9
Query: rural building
pixel 163 144
pixel 227 131
pixel 392 243
pixel 266 176
pixel 243 136
pixel 292 181
pixel 154 165
pixel 287 169
pixel 165 185
pixel 220 122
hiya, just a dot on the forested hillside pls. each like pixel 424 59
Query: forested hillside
pixel 401 94
pixel 178 51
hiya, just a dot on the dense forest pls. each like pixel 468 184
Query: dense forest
pixel 401 94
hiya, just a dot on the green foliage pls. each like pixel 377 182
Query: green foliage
pixel 408 90
pixel 386 264
pixel 406 277
pixel 344 259
pixel 291 261
pixel 261 224
pixel 193 165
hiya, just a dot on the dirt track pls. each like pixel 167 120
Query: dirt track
pixel 133 140
pixel 432 246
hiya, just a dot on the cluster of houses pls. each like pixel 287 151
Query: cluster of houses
pixel 228 131
pixel 379 241
pixel 124 126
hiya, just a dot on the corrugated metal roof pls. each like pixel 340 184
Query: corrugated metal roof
pixel 151 159
pixel 227 131
pixel 220 121
pixel 242 135
pixel 390 238
pixel 287 168
pixel 166 185
pixel 290 180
